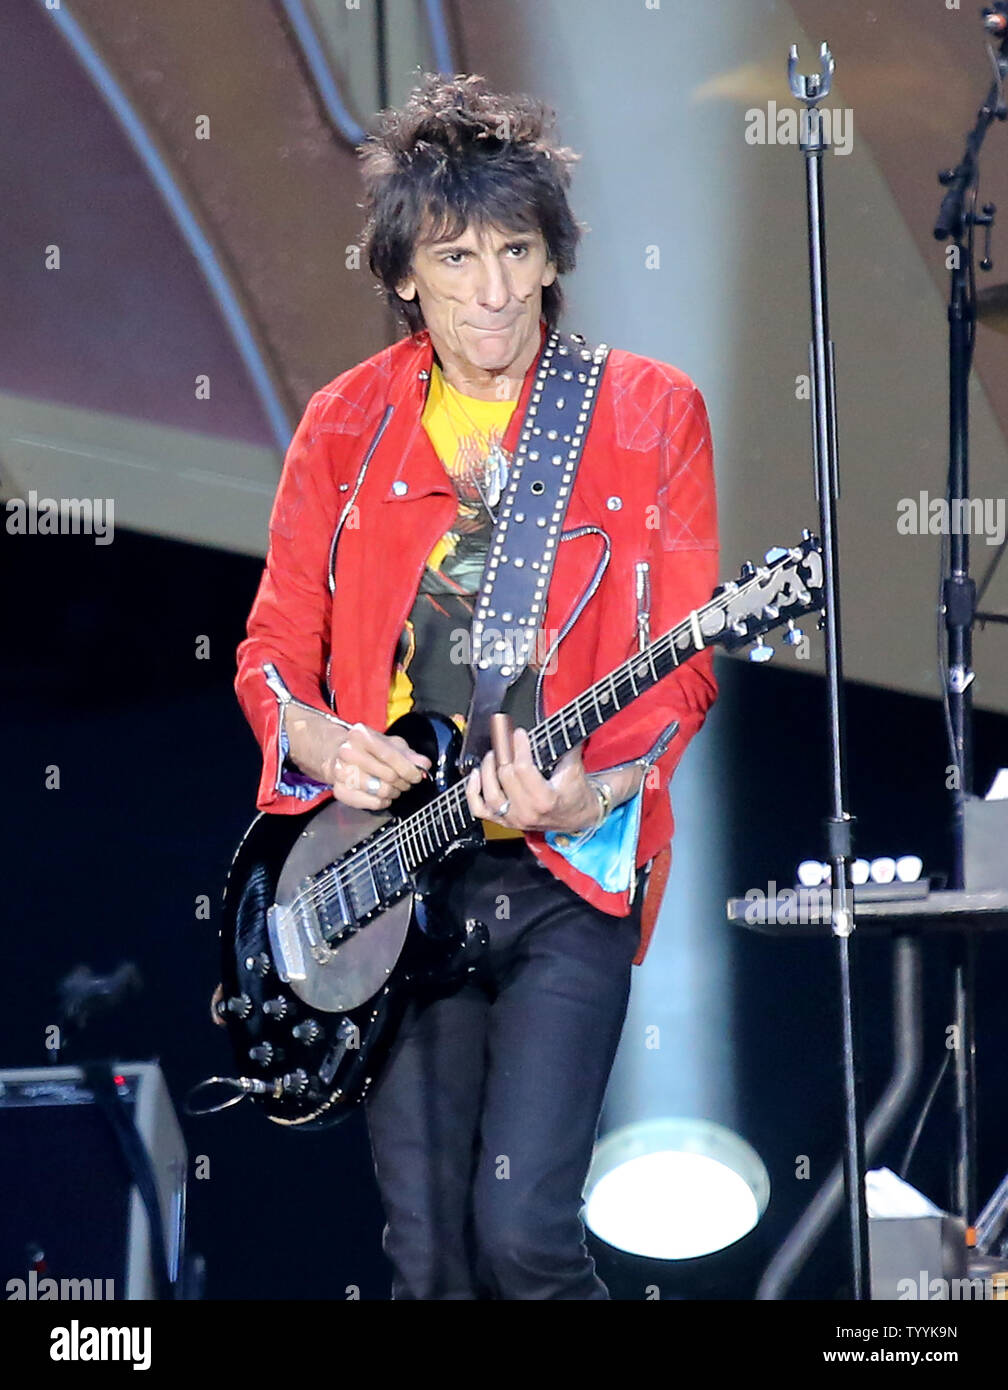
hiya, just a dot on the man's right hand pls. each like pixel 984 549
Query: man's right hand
pixel 370 769
pixel 347 757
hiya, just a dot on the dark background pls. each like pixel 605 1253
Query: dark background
pixel 158 772
pixel 157 768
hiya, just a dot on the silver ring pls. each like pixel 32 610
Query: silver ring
pixel 503 810
pixel 374 785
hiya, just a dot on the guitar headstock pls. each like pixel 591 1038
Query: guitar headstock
pixel 788 584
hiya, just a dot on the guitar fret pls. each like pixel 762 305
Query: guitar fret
pixel 405 846
pixel 584 731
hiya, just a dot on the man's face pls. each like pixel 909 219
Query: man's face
pixel 481 296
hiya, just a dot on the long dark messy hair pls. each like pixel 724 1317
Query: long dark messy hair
pixel 458 153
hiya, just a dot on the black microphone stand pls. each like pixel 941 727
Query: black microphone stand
pixel 811 91
pixel 955 224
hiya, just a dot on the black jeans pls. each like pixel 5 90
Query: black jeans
pixel 483 1119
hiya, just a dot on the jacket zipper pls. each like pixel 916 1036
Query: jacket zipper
pixel 600 569
pixel 643 587
pixel 284 698
pixel 353 496
pixel 331 574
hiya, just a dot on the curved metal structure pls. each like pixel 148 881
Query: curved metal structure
pixel 277 411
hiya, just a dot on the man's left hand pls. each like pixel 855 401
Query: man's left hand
pixel 567 801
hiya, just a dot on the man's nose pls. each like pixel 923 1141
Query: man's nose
pixel 493 290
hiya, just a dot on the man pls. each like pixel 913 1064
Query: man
pixel 483 1119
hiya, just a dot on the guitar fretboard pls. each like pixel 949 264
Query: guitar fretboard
pixel 425 834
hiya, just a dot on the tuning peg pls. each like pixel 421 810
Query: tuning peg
pixel 775 553
pixel 747 571
pixel 761 652
pixel 771 612
pixel 794 635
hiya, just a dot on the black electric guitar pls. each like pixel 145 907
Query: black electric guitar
pixel 328 926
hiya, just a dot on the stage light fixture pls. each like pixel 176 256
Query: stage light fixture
pixel 674 1189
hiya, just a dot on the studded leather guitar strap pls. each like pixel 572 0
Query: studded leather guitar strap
pixel 523 548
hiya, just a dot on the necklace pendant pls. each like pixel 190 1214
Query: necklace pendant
pixel 495 471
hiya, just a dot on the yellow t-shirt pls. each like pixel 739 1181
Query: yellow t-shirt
pixel 431 667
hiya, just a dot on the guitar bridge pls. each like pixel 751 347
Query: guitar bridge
pixel 287 954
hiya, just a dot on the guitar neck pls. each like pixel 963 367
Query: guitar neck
pixel 580 717
pixel 425 834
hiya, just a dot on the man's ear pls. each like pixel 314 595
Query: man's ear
pixel 406 289
pixel 549 274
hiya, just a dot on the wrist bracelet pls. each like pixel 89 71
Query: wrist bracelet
pixel 605 796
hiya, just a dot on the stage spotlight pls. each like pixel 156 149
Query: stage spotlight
pixel 860 871
pixel 811 873
pixel 883 870
pixel 674 1189
pixel 909 868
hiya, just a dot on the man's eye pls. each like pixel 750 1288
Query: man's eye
pixel 520 247
pixel 450 258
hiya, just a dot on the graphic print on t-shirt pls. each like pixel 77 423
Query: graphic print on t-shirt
pixel 432 658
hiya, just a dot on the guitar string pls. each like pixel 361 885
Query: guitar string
pixel 425 820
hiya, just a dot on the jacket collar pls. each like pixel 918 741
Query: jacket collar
pixel 408 393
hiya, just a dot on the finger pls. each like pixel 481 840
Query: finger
pixel 477 805
pixel 502 738
pixel 491 789
pixel 360 763
pixel 411 764
pixel 524 783
pixel 216 998
pixel 368 784
pixel 379 756
pixel 355 796
pixel 486 803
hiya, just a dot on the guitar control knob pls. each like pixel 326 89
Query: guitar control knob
pixel 306 1032
pixel 258 965
pixel 262 1054
pixel 295 1083
pixel 239 1004
pixel 276 1008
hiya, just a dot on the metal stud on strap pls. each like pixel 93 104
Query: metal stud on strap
pixel 523 547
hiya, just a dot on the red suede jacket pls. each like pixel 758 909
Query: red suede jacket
pixel 362 500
